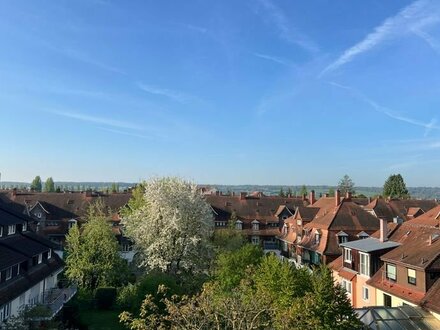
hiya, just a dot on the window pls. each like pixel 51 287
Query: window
pixel 24 226
pixel 346 285
pixel 411 276
pixel 238 225
pixel 49 254
pixel 342 239
pixel 347 255
pixel 365 293
pixel 386 300
pixel 18 269
pixel 298 238
pixel 40 258
pixel 1 231
pixel 38 215
pixel 364 265
pixel 316 258
pixel 255 240
pixel 11 229
pixel 299 222
pixel 255 225
pixel 8 273
pixel 391 272
pixel 317 236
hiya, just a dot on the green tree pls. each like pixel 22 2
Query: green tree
pixel 289 192
pixel 231 267
pixel 331 192
pixel 172 227
pixel 36 184
pixel 93 256
pixel 303 190
pixel 136 201
pixel 325 307
pixel 395 187
pixel 281 193
pixel 115 187
pixel 346 185
pixel 49 185
pixel 229 238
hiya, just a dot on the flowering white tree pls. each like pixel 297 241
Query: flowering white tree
pixel 172 227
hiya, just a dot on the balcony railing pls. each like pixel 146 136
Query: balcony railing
pixel 52 301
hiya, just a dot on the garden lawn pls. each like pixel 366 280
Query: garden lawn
pixel 101 319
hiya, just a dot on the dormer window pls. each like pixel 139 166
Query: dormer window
pixel 317 236
pixel 40 258
pixel 298 222
pixel 1 231
pixel 38 215
pixel 8 275
pixel 72 222
pixel 11 229
pixel 363 235
pixel 24 228
pixel 239 225
pixel 342 237
pixel 49 254
pixel 255 225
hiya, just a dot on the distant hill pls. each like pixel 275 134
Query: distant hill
pixel 71 186
pixel 415 192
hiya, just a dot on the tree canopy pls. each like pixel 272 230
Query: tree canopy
pixel 395 187
pixel 49 185
pixel 346 185
pixel 93 256
pixel 171 226
pixel 303 190
pixel 36 184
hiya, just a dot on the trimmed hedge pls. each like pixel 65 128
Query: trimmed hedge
pixel 105 297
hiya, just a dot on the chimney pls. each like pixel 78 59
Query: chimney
pixel 217 193
pixel 312 197
pixel 326 195
pixel 243 195
pixel 348 195
pixel 383 230
pixel 369 199
pixel 337 197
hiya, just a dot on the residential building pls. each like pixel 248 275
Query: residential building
pixel 29 268
pixel 258 216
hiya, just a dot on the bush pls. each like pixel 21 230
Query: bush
pixel 105 297
pixel 127 297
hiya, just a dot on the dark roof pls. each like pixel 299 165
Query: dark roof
pixel 15 287
pixel 9 257
pixel 23 245
pixel 10 216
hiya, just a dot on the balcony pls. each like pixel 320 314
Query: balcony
pixel 51 302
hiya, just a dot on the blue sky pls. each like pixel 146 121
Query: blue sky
pixel 233 92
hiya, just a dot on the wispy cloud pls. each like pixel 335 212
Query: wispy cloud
pixel 169 93
pixel 196 28
pixel 275 59
pixel 141 136
pixel 285 30
pixel 389 112
pixel 433 43
pixel 416 16
pixel 83 57
pixel 97 120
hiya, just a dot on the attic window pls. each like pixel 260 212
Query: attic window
pixel 342 237
pixel 239 225
pixel 363 235
pixel 255 225
pixel 317 237
pixel 24 228
pixel 11 229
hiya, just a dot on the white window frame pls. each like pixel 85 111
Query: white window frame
pixel 347 286
pixel 18 269
pixel 11 229
pixel 365 293
pixel 366 265
pixel 8 273
pixel 49 254
pixel 255 240
pixel 256 226
pixel 348 257
pixel 342 239
pixel 317 238
pixel 412 274
pixel 24 226
pixel 239 225
pixel 388 272
pixel 298 222
pixel 1 231
pixel 40 258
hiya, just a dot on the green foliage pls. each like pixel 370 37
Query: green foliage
pixel 395 187
pixel 105 297
pixel 115 187
pixel 281 193
pixel 93 256
pixel 232 266
pixel 136 201
pixel 49 185
pixel 303 190
pixel 331 192
pixel 346 185
pixel 36 184
pixel 289 192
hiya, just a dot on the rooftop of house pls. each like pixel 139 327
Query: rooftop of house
pixel 429 218
pixel 369 244
pixel 257 206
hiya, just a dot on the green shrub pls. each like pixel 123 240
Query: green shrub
pixel 105 297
